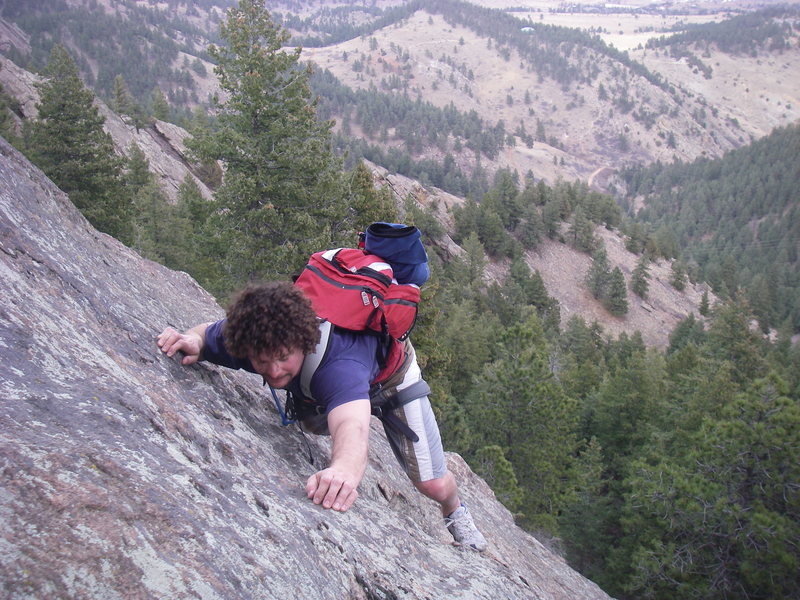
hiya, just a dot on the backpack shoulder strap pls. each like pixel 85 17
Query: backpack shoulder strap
pixel 313 360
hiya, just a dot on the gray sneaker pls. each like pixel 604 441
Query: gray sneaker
pixel 460 524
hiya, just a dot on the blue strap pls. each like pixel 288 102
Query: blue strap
pixel 284 419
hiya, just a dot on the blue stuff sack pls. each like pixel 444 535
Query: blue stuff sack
pixel 401 246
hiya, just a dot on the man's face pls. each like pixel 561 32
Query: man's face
pixel 278 368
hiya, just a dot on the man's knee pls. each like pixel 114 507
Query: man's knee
pixel 437 488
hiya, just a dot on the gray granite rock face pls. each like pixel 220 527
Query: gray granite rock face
pixel 125 475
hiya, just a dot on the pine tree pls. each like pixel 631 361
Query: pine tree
pixel 583 363
pixel 551 218
pixel 541 136
pixel 731 339
pixel 155 234
pixel 617 300
pixel 468 340
pixel 517 404
pixel 598 278
pixel 640 276
pixel 69 144
pixel 367 203
pixel 121 99
pixel 627 404
pixel 583 522
pixel 688 331
pixel 152 223
pixel 208 170
pixel 582 231
pixel 160 106
pixel 137 173
pixel 466 217
pixel 491 232
pixel 530 229
pixel 475 257
pixel 190 252
pixel 719 520
pixel 492 465
pixel 503 198
pixel 123 103
pixel 762 300
pixel 636 237
pixel 281 198
pixel 704 304
pixel 8 127
pixel 506 301
pixel 678 279
pixel 531 291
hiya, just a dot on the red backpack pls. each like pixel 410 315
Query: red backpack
pixel 357 291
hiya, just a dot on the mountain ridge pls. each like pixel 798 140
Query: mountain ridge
pixel 629 120
pixel 652 105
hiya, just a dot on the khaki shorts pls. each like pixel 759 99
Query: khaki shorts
pixel 422 460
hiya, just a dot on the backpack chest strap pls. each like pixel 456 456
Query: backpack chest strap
pixel 313 360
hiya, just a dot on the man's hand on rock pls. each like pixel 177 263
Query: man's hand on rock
pixel 190 343
pixel 336 486
pixel 333 489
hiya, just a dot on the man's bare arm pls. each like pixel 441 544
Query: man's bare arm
pixel 336 486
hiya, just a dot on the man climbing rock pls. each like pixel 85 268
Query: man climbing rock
pixel 272 329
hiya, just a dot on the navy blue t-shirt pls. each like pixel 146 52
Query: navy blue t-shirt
pixel 343 375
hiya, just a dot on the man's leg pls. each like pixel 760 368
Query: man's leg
pixel 425 465
pixel 443 490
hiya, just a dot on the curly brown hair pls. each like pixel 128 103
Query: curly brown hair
pixel 269 317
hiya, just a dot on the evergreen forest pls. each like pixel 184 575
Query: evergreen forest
pixel 668 474
pixel 135 42
pixel 769 28
pixel 734 221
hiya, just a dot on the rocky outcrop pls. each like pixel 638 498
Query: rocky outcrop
pixel 11 36
pixel 162 143
pixel 126 475
pixel 20 85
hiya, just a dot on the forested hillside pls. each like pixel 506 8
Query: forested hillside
pixel 558 91
pixel 770 29
pixel 735 221
pixel 659 473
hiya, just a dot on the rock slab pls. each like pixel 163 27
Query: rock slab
pixel 125 475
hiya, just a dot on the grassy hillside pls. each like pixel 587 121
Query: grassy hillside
pixel 597 105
